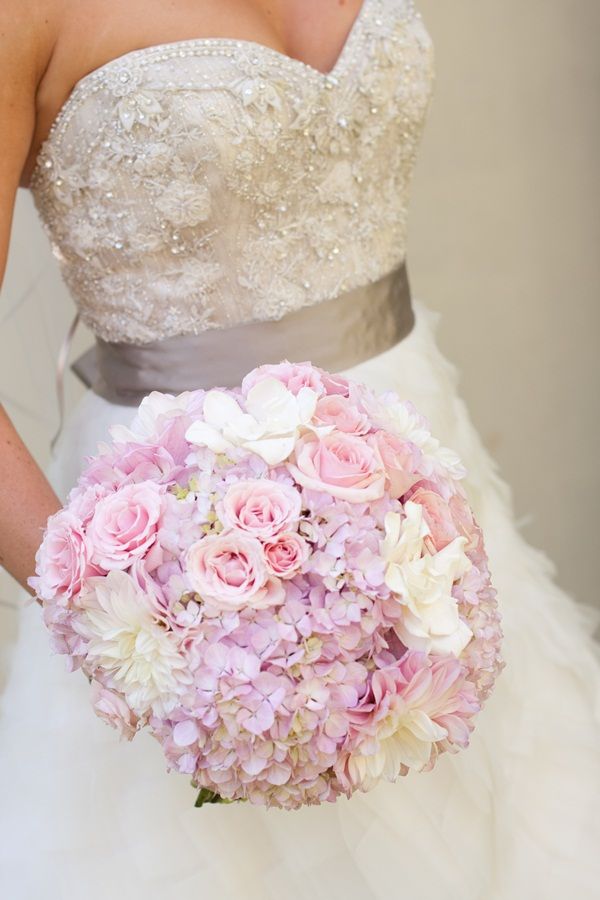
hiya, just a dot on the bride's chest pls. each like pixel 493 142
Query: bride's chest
pixel 238 115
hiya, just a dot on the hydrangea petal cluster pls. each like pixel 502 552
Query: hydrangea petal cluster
pixel 284 583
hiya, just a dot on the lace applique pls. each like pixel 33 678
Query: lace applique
pixel 213 182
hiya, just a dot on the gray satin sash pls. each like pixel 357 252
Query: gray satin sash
pixel 334 334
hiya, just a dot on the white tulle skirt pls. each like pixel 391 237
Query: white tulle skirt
pixel 85 815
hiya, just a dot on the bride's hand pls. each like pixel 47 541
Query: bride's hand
pixel 26 498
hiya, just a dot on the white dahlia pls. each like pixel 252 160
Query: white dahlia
pixel 127 644
pixel 403 739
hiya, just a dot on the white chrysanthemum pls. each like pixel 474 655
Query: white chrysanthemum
pixel 402 740
pixel 423 583
pixel 124 639
pixel 270 426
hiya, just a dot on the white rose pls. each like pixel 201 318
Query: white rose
pixel 423 584
pixel 270 427
pixel 143 426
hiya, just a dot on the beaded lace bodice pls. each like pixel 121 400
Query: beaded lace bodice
pixel 210 182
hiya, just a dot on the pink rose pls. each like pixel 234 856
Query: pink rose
pixel 63 559
pixel 230 572
pixel 111 707
pixel 438 517
pixel 464 520
pixel 293 375
pixel 335 384
pixel 260 507
pixel 462 514
pixel 400 459
pixel 340 464
pixel 339 411
pixel 124 525
pixel 286 554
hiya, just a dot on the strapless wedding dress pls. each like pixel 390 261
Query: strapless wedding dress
pixel 210 184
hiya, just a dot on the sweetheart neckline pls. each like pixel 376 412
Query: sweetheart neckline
pixel 284 59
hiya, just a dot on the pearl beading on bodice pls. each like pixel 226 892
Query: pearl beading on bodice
pixel 211 182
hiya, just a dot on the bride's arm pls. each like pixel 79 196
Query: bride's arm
pixel 26 498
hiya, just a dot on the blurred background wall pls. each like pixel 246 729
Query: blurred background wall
pixel 504 243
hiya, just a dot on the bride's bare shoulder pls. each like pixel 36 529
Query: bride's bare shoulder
pixel 27 35
pixel 28 30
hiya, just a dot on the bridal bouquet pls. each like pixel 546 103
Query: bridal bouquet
pixel 284 583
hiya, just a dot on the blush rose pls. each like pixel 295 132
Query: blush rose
pixel 438 515
pixel 229 571
pixel 63 559
pixel 286 554
pixel 340 412
pixel 400 459
pixel 293 375
pixel 260 507
pixel 342 465
pixel 125 524
pixel 115 711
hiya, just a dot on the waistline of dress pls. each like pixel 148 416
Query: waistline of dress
pixel 334 334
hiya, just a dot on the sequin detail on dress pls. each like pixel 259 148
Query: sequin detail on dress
pixel 210 182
